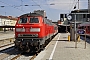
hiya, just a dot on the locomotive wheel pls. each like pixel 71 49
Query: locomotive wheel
pixel 46 42
pixel 42 47
pixel 38 47
pixel 28 50
pixel 50 38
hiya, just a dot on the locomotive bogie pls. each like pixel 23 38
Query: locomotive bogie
pixel 25 43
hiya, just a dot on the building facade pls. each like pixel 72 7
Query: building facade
pixel 81 16
pixel 7 21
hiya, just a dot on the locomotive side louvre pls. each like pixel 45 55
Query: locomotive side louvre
pixel 48 28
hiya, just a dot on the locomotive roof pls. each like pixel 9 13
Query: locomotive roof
pixel 31 14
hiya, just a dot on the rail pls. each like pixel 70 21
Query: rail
pixel 5 42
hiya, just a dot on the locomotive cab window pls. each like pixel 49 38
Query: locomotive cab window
pixel 22 20
pixel 34 20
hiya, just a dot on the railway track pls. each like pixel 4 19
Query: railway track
pixel 26 56
pixel 12 54
pixel 87 39
pixel 6 45
pixel 6 52
pixel 14 58
pixel 23 57
pixel 17 55
pixel 6 41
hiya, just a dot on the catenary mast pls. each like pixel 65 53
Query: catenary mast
pixel 88 6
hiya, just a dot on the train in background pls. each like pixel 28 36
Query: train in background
pixel 33 31
pixel 85 27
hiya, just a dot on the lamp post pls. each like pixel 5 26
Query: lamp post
pixel 75 32
pixel 78 5
pixel 75 25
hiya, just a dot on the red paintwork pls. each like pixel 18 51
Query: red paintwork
pixel 45 29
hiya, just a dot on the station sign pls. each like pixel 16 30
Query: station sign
pixel 81 31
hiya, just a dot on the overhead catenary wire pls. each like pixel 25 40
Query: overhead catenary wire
pixel 37 4
pixel 11 6
pixel 41 4
pixel 22 4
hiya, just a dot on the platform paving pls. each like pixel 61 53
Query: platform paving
pixel 61 49
pixel 6 38
pixel 6 35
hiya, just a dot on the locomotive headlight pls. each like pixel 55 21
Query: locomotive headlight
pixel 20 29
pixel 35 30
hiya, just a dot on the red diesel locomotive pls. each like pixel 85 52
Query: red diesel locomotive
pixel 33 30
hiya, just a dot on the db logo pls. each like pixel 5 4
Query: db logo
pixel 27 30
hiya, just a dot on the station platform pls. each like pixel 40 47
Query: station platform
pixel 6 35
pixel 62 49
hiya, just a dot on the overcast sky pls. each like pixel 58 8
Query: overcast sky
pixel 53 8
